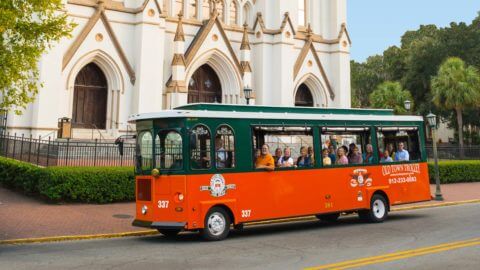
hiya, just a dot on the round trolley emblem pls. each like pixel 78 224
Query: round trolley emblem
pixel 217 187
pixel 360 178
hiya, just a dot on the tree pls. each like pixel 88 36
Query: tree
pixel 390 95
pixel 456 87
pixel 27 29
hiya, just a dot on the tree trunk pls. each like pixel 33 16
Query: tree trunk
pixel 460 131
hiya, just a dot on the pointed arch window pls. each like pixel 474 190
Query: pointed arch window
pixel 302 12
pixel 192 9
pixel 205 9
pixel 233 13
pixel 247 15
pixel 221 11
pixel 177 7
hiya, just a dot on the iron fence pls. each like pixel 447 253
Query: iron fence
pixel 453 152
pixel 50 152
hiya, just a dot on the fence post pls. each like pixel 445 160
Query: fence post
pixel 95 154
pixel 14 144
pixel 6 144
pixel 30 148
pixel 21 147
pixel 48 151
pixel 38 150
pixel 66 156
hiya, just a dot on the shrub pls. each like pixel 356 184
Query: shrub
pixel 456 171
pixel 88 184
pixel 79 184
pixel 20 175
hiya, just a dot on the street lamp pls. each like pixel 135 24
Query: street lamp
pixel 432 122
pixel 408 105
pixel 247 92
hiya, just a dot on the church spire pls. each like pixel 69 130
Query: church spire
pixel 177 84
pixel 245 42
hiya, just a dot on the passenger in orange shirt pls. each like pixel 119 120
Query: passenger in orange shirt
pixel 265 160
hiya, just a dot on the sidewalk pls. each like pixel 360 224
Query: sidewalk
pixel 24 217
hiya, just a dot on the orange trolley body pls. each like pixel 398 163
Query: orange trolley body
pixel 181 184
pixel 259 196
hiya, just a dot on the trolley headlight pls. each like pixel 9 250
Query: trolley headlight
pixel 181 197
pixel 144 210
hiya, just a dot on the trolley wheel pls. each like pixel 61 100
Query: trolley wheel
pixel 378 211
pixel 217 225
pixel 329 217
pixel 169 233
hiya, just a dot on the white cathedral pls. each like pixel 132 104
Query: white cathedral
pixel 134 56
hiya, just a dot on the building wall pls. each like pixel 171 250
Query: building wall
pixel 132 41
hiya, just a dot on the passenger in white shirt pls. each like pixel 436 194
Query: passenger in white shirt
pixel 286 160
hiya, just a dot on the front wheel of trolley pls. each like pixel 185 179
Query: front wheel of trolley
pixel 378 211
pixel 169 233
pixel 217 225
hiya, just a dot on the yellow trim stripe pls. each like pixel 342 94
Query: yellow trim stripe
pixel 398 255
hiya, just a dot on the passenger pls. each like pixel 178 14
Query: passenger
pixel 386 157
pixel 402 154
pixel 326 159
pixel 368 156
pixel 355 157
pixel 311 154
pixel 304 160
pixel 278 155
pixel 286 161
pixel 331 153
pixel 350 150
pixel 326 144
pixel 258 153
pixel 265 160
pixel 342 158
pixel 391 150
pixel 221 154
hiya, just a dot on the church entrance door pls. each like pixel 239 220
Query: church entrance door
pixel 204 86
pixel 90 98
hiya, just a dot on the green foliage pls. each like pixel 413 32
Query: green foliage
pixel 20 175
pixel 456 171
pixel 78 184
pixel 390 95
pixel 416 61
pixel 456 87
pixel 27 29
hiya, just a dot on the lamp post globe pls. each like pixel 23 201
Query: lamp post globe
pixel 247 92
pixel 407 104
pixel 432 120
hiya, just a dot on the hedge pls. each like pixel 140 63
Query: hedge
pixel 74 184
pixel 114 184
pixel 458 171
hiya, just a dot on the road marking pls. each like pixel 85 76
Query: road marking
pixel 398 255
pixel 154 232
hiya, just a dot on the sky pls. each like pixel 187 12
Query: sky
pixel 375 25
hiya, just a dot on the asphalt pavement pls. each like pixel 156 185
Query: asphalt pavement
pixel 350 244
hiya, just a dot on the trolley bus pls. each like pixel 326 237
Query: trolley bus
pixel 208 167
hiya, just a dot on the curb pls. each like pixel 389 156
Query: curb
pixel 155 232
pixel 76 237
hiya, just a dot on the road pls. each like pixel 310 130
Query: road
pixel 435 233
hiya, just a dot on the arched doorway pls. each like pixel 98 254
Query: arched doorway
pixel 304 97
pixel 90 98
pixel 204 86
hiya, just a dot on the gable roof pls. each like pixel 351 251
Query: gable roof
pixel 99 15
pixel 309 47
